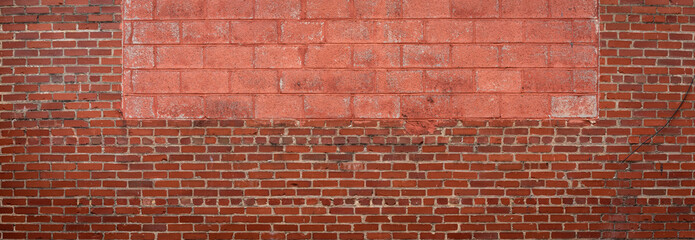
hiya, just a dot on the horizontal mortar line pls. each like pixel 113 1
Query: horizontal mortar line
pixel 357 19
pixel 362 69
pixel 345 43
pixel 482 94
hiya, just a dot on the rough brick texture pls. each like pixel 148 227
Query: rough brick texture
pixel 431 55
pixel 73 168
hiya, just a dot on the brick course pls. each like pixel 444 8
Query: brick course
pixel 72 166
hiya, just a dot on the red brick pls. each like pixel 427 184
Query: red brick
pixel 204 81
pixel 449 31
pixel 526 55
pixel 138 107
pixel 180 107
pixel 399 81
pixel 425 106
pixel 138 9
pixel 204 32
pixel 573 8
pixel 155 82
pixel 302 32
pixel 228 57
pixel 176 9
pixel 256 31
pixel 585 80
pixel 493 80
pixel 547 31
pixel 475 106
pixel 255 81
pixel 376 106
pixel 229 107
pixel 399 31
pixel 428 56
pixel 573 56
pixel 498 31
pixel 301 81
pixel 376 56
pixel 155 32
pixel 574 106
pixel 475 56
pixel 327 106
pixel 426 8
pixel 524 106
pixel 277 57
pixel 474 9
pixel 523 8
pixel 327 8
pixel 378 8
pixel 585 31
pixel 349 81
pixel 350 32
pixel 277 9
pixel 547 80
pixel 279 106
pixel 179 57
pixel 450 81
pixel 328 56
pixel 230 9
pixel 138 56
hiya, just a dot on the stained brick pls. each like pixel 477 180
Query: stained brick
pixel 475 56
pixel 431 56
pixel 139 56
pixel 205 81
pixel 277 57
pixel 179 57
pixel 174 9
pixel 376 56
pixel 226 107
pixel 229 9
pixel 228 57
pixel 449 31
pixel 327 106
pixel 139 107
pixel 498 80
pixel 574 106
pixel 474 9
pixel 302 32
pixel 279 106
pixel 328 56
pixel 155 81
pixel 399 81
pixel 327 8
pixel 155 32
pixel 376 106
pixel 426 8
pixel 257 31
pixel 179 107
pixel 254 81
pixel 378 8
pixel 277 9
pixel 205 32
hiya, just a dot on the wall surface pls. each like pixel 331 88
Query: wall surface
pixel 360 59
pixel 73 168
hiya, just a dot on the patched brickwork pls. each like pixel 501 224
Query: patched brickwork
pixel 72 167
pixel 323 59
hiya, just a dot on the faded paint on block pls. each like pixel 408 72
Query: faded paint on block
pixel 307 59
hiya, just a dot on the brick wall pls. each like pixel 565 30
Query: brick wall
pixel 72 167
pixel 360 59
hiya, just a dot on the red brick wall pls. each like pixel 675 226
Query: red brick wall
pixel 72 167
pixel 360 59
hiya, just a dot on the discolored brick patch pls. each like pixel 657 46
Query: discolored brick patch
pixel 340 59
